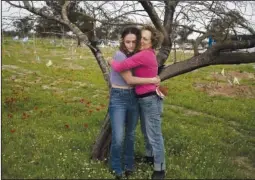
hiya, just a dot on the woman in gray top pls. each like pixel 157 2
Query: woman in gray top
pixel 123 109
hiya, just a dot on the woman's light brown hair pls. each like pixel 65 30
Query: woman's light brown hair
pixel 156 36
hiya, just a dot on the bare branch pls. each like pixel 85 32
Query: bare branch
pixel 148 7
pixel 212 56
pixel 15 5
pixel 192 29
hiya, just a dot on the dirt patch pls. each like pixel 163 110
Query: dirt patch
pixel 247 165
pixel 230 75
pixel 242 75
pixel 223 89
pixel 224 84
pixel 69 65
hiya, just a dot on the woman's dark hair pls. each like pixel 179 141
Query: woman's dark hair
pixel 156 36
pixel 130 30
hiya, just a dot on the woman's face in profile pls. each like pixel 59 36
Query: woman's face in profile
pixel 130 42
pixel 146 40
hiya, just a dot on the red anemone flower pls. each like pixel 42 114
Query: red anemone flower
pixel 10 116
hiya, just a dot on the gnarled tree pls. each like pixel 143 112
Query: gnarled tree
pixel 206 18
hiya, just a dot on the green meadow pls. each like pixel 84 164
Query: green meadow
pixel 51 116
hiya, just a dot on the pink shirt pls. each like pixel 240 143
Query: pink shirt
pixel 145 64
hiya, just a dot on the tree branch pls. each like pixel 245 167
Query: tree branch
pixel 168 27
pixel 212 56
pixel 194 30
pixel 38 11
pixel 148 7
pixel 15 5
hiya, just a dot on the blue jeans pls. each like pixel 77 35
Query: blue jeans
pixel 124 114
pixel 150 113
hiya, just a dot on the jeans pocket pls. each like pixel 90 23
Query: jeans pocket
pixel 150 105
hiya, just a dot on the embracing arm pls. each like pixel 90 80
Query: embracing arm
pixel 133 80
pixel 129 63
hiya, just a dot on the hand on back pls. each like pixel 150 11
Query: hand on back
pixel 156 80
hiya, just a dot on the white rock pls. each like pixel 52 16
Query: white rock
pixel 235 81
pixel 49 63
pixel 223 72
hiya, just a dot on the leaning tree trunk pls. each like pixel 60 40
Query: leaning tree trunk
pixel 100 150
pixel 101 147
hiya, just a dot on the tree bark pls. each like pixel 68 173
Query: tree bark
pixel 101 148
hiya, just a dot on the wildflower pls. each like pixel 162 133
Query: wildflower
pixel 67 126
pixel 13 130
pixel 10 116
pixel 25 115
pixel 86 125
pixel 90 111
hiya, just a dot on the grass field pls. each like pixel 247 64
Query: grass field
pixel 52 115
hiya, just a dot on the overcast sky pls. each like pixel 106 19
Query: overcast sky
pixel 8 13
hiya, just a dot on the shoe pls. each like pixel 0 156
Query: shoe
pixel 145 159
pixel 118 176
pixel 158 175
pixel 149 160
pixel 128 173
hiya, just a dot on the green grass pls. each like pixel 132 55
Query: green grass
pixel 51 117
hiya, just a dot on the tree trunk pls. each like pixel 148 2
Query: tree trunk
pixel 79 42
pixel 175 60
pixel 101 147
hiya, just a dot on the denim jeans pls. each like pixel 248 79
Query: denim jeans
pixel 150 113
pixel 124 115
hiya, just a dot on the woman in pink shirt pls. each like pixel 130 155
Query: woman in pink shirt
pixel 145 65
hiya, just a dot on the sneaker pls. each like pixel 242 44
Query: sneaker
pixel 158 175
